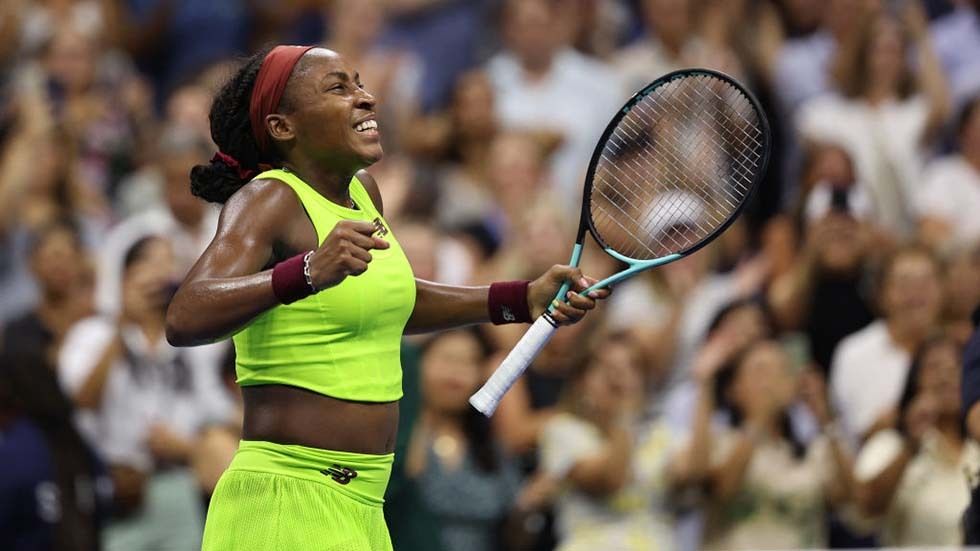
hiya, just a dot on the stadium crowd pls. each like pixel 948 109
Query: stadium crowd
pixel 796 384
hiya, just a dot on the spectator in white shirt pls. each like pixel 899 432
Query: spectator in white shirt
pixel 668 44
pixel 949 200
pixel 185 220
pixel 912 482
pixel 543 86
pixel 142 404
pixel 766 488
pixel 613 471
pixel 869 367
pixel 884 112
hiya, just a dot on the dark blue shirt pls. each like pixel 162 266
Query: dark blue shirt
pixel 30 505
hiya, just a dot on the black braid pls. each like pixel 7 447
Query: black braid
pixel 231 130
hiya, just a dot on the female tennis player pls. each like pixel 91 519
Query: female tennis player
pixel 316 291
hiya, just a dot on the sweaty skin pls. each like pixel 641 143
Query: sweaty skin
pixel 264 223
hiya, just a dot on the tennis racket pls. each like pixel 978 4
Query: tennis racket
pixel 672 170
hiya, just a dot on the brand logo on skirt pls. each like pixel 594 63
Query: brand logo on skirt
pixel 339 474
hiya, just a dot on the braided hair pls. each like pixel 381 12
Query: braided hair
pixel 231 130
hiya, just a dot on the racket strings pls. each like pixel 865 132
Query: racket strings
pixel 676 167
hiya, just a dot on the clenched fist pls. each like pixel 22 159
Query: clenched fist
pixel 345 252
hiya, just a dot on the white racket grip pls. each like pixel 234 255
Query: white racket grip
pixel 486 399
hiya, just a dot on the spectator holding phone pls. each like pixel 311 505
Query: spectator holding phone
pixel 611 470
pixel 141 403
pixel 766 487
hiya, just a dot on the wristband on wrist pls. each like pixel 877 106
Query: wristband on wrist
pixel 291 280
pixel 507 302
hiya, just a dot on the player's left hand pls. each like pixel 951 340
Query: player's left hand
pixel 541 292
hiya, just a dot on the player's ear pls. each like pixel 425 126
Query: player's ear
pixel 280 127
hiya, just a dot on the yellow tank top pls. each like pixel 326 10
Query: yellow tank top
pixel 344 341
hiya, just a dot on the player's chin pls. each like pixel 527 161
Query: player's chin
pixel 371 154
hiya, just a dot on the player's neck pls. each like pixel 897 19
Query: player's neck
pixel 332 184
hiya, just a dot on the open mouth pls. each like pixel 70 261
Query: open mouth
pixel 367 127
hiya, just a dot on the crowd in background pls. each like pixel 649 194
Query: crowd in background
pixel 796 384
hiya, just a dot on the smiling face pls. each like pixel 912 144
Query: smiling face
pixel 940 376
pixel 912 290
pixel 326 114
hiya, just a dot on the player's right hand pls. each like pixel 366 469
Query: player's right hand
pixel 345 252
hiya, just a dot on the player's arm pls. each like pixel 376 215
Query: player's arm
pixel 228 286
pixel 231 284
pixel 439 306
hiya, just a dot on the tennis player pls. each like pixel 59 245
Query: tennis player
pixel 306 275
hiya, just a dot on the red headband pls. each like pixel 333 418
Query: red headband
pixel 269 86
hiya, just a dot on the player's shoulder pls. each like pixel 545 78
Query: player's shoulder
pixel 268 191
pixel 260 202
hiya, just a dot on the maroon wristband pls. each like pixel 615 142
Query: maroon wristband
pixel 507 302
pixel 288 281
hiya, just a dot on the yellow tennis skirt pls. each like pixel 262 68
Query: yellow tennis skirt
pixel 276 497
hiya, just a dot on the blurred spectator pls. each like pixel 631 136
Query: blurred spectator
pixel 595 26
pixel 767 489
pixel 961 286
pixel 421 244
pixel 957 38
pixel 105 111
pixel 73 490
pixel 870 366
pixel 824 293
pixel 141 404
pixel 188 108
pixel 884 111
pixel 612 469
pixel 172 40
pixel 544 87
pixel 669 42
pixel 742 321
pixel 463 477
pixel 670 309
pixel 949 196
pixel 470 129
pixel 912 481
pixel 447 35
pixel 802 68
pixel 29 501
pixel 743 38
pixel 41 21
pixel 65 281
pixel 186 221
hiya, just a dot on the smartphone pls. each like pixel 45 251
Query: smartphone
pixel 839 200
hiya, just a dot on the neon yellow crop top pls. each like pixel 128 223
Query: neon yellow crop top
pixel 344 341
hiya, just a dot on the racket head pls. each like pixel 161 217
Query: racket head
pixel 644 124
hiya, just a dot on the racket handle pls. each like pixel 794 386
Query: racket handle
pixel 486 399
